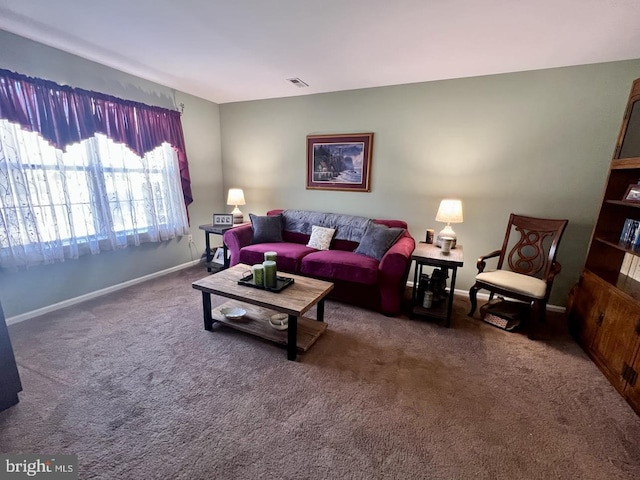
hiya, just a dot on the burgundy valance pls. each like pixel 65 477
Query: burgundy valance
pixel 65 115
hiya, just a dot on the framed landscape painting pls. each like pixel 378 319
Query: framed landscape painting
pixel 339 162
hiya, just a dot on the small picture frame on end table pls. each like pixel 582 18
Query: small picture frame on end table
pixel 223 220
pixel 632 194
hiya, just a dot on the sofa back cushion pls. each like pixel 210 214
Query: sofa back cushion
pixel 295 237
pixel 392 223
pixel 336 243
pixel 347 227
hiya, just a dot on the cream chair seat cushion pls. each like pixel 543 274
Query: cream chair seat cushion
pixel 516 282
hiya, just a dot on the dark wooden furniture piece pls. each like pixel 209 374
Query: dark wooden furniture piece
pixel 212 230
pixel 604 307
pixel 295 301
pixel 526 265
pixel 427 254
pixel 10 383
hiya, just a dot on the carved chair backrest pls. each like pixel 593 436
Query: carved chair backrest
pixel 531 244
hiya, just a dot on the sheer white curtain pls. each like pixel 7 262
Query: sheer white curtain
pixel 97 195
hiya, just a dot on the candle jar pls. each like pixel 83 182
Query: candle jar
pixel 271 256
pixel 258 274
pixel 429 236
pixel 269 273
pixel 428 299
pixel 447 243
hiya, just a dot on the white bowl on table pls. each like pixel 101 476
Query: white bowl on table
pixel 279 321
pixel 233 313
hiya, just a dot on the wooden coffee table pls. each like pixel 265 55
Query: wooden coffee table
pixel 294 301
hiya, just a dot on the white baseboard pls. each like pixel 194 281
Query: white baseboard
pixel 98 293
pixel 485 296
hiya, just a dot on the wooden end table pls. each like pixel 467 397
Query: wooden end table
pixel 294 300
pixel 428 254
pixel 213 230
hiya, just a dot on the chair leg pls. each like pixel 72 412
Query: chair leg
pixel 542 314
pixel 473 291
pixel 536 316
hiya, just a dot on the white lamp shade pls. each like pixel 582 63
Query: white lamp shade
pixel 235 197
pixel 450 211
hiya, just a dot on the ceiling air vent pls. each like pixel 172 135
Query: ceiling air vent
pixel 297 82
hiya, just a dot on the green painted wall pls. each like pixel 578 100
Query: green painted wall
pixel 536 143
pixel 39 287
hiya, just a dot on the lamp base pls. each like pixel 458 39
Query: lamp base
pixel 446 232
pixel 238 216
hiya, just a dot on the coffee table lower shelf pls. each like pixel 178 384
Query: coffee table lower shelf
pixel 256 322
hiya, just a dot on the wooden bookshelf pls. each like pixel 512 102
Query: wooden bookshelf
pixel 604 308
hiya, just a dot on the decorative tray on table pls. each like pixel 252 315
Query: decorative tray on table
pixel 281 283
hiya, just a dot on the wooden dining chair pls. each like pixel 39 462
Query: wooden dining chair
pixel 526 265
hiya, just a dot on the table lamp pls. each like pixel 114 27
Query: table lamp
pixel 450 211
pixel 236 197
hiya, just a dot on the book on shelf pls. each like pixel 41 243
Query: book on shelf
pixel 630 236
pixel 625 268
pixel 631 266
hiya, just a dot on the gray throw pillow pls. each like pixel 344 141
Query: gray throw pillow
pixel 266 229
pixel 377 239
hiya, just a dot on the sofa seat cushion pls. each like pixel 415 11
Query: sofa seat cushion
pixel 341 265
pixel 289 254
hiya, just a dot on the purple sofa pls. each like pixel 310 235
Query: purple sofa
pixel 358 279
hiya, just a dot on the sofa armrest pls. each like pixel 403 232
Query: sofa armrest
pixel 236 238
pixel 393 271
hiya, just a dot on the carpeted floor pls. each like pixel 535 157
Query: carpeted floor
pixel 133 385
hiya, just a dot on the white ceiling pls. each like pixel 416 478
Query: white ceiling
pixel 235 50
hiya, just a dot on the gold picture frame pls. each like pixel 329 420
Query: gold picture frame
pixel 339 162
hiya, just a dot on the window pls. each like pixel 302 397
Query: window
pixel 82 172
pixel 96 195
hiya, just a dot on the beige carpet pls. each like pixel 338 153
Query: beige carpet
pixel 134 386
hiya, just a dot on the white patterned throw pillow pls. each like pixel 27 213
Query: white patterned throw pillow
pixel 321 237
